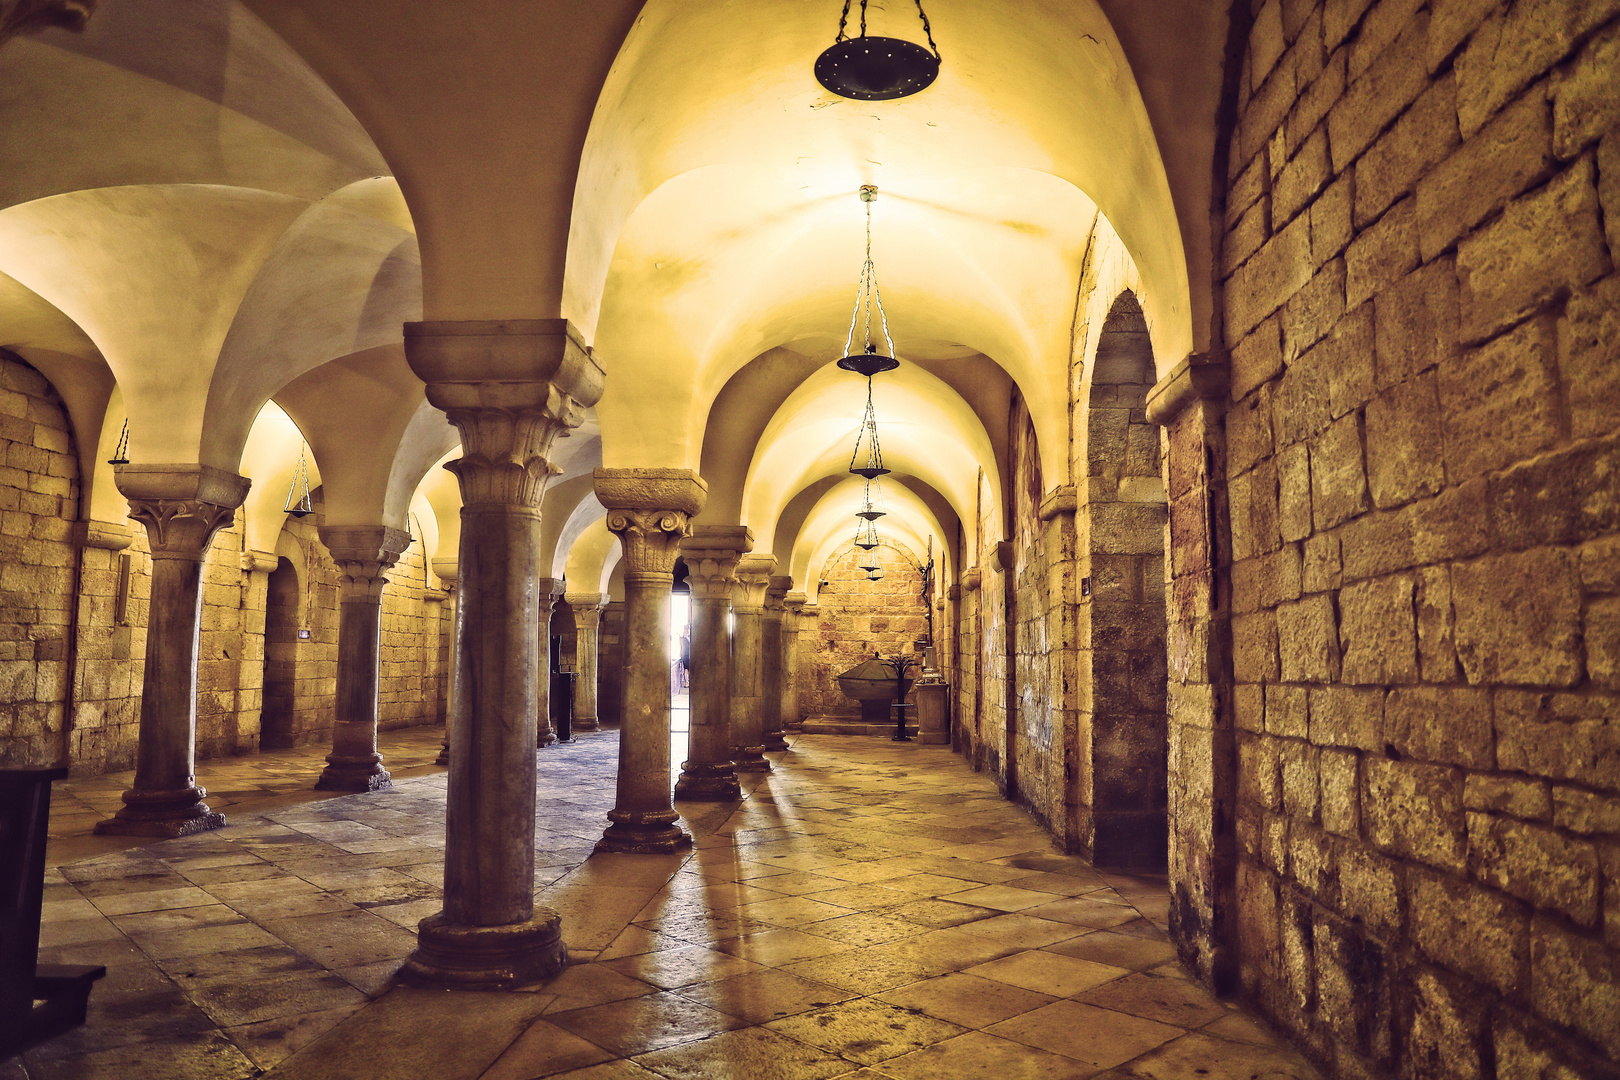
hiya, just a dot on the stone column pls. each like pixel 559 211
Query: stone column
pixel 548 591
pixel 648 510
pixel 445 571
pixel 510 388
pixel 770 668
pixel 363 554
pixel 587 609
pixel 711 555
pixel 810 616
pixel 182 507
pixel 792 616
pixel 747 718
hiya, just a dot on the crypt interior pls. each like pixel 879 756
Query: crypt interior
pixel 393 393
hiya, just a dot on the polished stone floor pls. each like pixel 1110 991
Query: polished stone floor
pixel 872 910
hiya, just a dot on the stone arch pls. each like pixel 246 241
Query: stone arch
pixel 1123 782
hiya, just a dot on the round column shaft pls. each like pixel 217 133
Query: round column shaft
pixel 648 509
pixel 711 554
pixel 182 507
pixel 363 554
pixel 587 609
pixel 747 677
pixel 792 616
pixel 509 387
pixel 548 590
pixel 771 670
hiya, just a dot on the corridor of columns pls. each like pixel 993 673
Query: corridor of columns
pixel 441 498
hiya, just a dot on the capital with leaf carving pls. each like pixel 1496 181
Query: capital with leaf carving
pixel 650 510
pixel 364 554
pixel 711 553
pixel 182 506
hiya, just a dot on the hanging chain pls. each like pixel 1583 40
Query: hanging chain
pixel 865 293
pixel 928 31
pixel 843 25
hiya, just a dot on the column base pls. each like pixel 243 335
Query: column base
pixel 586 723
pixel 644 832
pixel 751 759
pixel 708 782
pixel 169 814
pixel 444 755
pixel 774 741
pixel 511 954
pixel 350 775
pixel 545 738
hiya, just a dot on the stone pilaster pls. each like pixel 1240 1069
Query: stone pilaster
pixel 547 592
pixel 445 571
pixel 648 509
pixel 510 388
pixel 587 609
pixel 771 670
pixel 711 555
pixel 747 717
pixel 182 507
pixel 792 618
pixel 363 554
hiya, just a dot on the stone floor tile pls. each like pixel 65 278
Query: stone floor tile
pixel 206 1055
pixel 205 939
pixel 1024 931
pixel 865 873
pixel 186 918
pixel 1048 973
pixel 864 928
pixel 640 1025
pixel 791 911
pixel 1096 1037
pixel 968 1000
pixel 1172 1001
pixel 344 938
pixel 1240 1027
pixel 800 883
pixel 153 900
pixel 1084 911
pixel 233 965
pixel 624 1069
pixel 250 1001
pixel 779 946
pixel 582 985
pixel 866 1030
pixel 436 1034
pixel 1059 884
pixel 864 897
pixel 1197 1056
pixel 860 971
pixel 634 940
pixel 925 884
pixel 750 1054
pixel 978 1055
pixel 939 951
pixel 672 968
pixel 1117 950
pixel 1002 897
pixel 762 996
pixel 269 1042
pixel 79 932
pixel 545 1049
pixel 939 914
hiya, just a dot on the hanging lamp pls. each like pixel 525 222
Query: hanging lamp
pixel 298 501
pixel 866 536
pixel 872 505
pixel 877 68
pixel 121 454
pixel 868 361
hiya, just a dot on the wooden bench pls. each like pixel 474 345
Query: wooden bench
pixel 37 1001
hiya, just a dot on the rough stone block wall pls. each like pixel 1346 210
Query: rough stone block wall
pixel 408 684
pixel 1045 664
pixel 857 619
pixel 1424 458
pixel 111 655
pixel 39 496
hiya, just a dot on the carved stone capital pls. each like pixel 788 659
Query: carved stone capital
pixel 651 539
pixel 446 571
pixel 259 562
pixel 711 555
pixel 28 16
pixel 109 535
pixel 971 578
pixel 363 554
pixel 775 591
pixel 1205 376
pixel 587 609
pixel 793 603
pixel 753 580
pixel 549 590
pixel 510 387
pixel 649 510
pixel 182 506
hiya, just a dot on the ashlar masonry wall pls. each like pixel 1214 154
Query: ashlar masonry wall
pixel 858 618
pixel 1423 459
